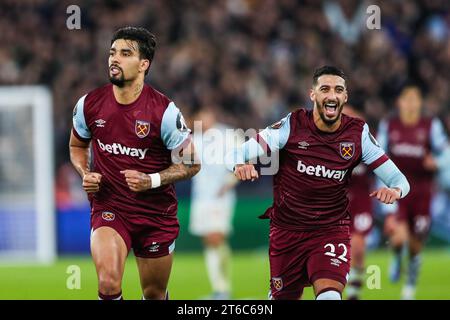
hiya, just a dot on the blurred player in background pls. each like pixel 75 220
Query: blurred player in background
pixel 213 200
pixel 442 163
pixel 310 222
pixel 361 212
pixel 137 133
pixel 412 141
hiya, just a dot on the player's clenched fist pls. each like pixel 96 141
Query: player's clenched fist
pixel 245 172
pixel 137 181
pixel 91 182
pixel 386 195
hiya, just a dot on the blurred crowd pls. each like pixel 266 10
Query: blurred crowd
pixel 251 60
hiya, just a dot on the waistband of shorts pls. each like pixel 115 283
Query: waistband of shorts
pixel 342 224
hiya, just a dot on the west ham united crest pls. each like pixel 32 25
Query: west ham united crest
pixel 108 216
pixel 142 128
pixel 277 283
pixel 347 149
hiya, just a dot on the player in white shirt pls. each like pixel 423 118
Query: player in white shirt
pixel 213 200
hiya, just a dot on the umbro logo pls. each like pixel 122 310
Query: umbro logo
pixel 154 247
pixel 303 145
pixel 100 123
pixel 335 262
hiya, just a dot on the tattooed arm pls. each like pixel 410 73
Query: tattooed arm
pixel 185 166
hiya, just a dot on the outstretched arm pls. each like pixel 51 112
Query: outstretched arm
pixel 238 160
pixel 187 167
pixel 374 156
pixel 398 185
pixel 272 138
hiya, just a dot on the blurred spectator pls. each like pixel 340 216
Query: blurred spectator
pixel 347 18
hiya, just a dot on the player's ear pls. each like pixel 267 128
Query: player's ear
pixel 145 64
pixel 312 95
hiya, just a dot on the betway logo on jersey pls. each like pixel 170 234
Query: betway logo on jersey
pixel 321 171
pixel 117 148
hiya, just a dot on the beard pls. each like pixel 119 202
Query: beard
pixel 118 80
pixel 327 120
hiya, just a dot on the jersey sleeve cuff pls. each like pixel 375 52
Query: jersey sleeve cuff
pixel 75 133
pixel 378 162
pixel 183 143
pixel 264 145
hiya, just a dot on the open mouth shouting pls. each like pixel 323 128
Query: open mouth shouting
pixel 331 109
pixel 115 70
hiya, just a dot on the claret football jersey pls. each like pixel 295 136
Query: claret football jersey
pixel 407 145
pixel 315 167
pixel 138 136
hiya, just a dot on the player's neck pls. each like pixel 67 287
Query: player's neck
pixel 410 119
pixel 128 93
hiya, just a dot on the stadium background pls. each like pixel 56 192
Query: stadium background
pixel 251 61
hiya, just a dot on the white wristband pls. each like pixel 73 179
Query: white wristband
pixel 156 180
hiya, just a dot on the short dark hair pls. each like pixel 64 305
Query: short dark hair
pixel 328 70
pixel 145 39
pixel 408 85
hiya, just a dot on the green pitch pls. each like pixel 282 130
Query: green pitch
pixel 188 281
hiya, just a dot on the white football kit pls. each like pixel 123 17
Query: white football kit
pixel 209 211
